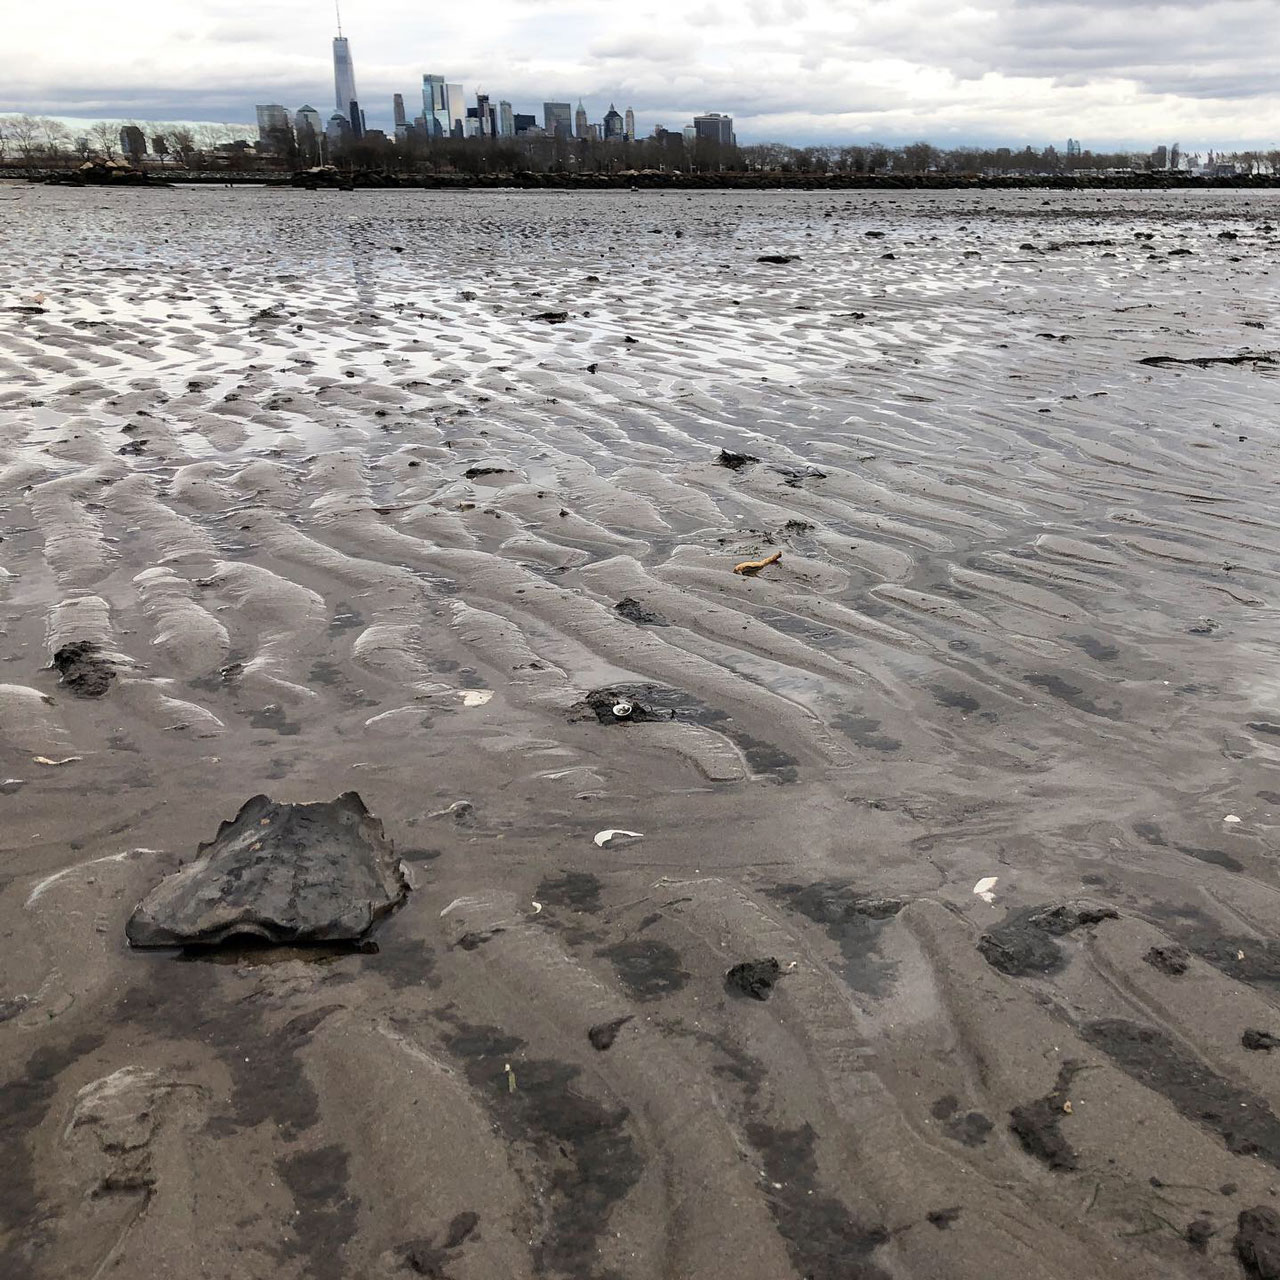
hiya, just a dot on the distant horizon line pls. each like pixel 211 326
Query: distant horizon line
pixel 752 139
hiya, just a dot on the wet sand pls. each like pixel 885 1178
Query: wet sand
pixel 326 509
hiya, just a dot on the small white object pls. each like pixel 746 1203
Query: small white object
pixel 537 908
pixel 1231 817
pixel 476 697
pixel 603 837
pixel 64 760
pixel 984 888
pixel 622 709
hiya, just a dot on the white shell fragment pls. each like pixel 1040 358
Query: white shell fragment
pixel 985 887
pixel 603 837
pixel 476 697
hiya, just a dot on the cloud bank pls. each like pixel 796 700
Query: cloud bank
pixel 1114 73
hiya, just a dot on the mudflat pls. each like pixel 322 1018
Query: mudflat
pixel 904 905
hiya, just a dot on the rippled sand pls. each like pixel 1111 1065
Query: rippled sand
pixel 312 477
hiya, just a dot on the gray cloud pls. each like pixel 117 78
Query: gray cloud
pixel 1111 71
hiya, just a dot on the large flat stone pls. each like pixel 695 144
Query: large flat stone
pixel 284 872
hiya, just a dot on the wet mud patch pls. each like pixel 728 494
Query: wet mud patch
pixel 1072 695
pixel 327 1212
pixel 1038 1124
pixel 268 1081
pixel 1255 961
pixel 1024 942
pixel 1097 649
pixel 969 1128
pixel 1243 1120
pixel 852 920
pixel 24 1103
pixel 571 890
pixel 83 669
pixel 648 969
pixel 424 1257
pixel 954 699
pixel 823 1238
pixel 865 731
pixel 589 1159
pixel 630 704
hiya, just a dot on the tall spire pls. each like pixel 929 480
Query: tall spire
pixel 338 14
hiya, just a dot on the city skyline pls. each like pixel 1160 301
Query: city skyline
pixel 790 70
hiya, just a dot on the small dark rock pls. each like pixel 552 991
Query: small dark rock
pixel 1257 1242
pixel 1198 1233
pixel 1173 959
pixel 83 669
pixel 1264 1040
pixel 474 473
pixel 735 461
pixel 603 1034
pixel 754 978
pixel 943 1218
pixel 779 259
pixel 634 611
pixel 551 317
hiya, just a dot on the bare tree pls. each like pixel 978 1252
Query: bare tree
pixel 106 138
pixel 24 133
pixel 54 136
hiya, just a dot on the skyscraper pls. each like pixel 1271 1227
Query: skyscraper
pixel 558 117
pixel 612 124
pixel 435 106
pixel 714 127
pixel 506 121
pixel 456 106
pixel 580 121
pixel 308 128
pixel 397 109
pixel 630 130
pixel 484 121
pixel 271 118
pixel 344 76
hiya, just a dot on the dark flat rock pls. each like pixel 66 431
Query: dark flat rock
pixel 288 873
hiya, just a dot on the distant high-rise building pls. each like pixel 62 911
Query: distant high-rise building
pixel 506 121
pixel 308 128
pixel 629 131
pixel 344 75
pixel 271 118
pixel 613 127
pixel 524 123
pixel 456 105
pixel 1160 157
pixel 714 127
pixel 338 131
pixel 580 121
pixel 435 106
pixel 558 118
pixel 133 142
pixel 307 118
pixel 1073 147
pixel 275 136
pixel 483 116
pixel 397 110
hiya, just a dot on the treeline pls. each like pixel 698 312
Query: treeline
pixel 36 142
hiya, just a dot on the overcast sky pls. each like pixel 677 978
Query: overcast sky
pixel 1110 72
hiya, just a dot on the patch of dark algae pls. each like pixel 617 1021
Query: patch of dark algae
pixel 1243 1120
pixel 588 1158
pixel 268 1084
pixel 823 1238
